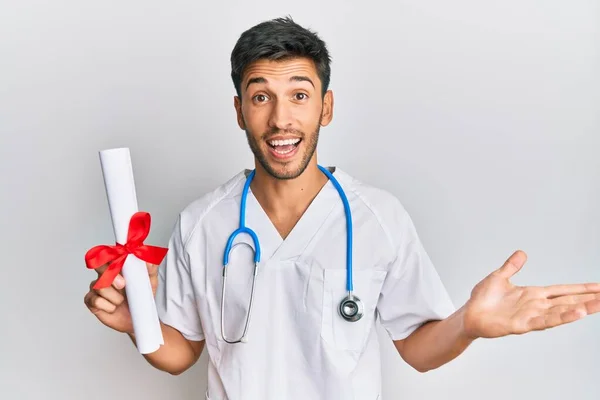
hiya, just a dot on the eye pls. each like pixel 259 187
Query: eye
pixel 301 96
pixel 260 98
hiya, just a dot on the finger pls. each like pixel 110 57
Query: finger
pixel 87 302
pixel 564 314
pixel 574 299
pixel 573 289
pixel 592 306
pixel 119 283
pixel 110 293
pixel 512 265
pixel 560 309
pixel 584 308
pixel 97 303
pixel 554 319
pixel 100 270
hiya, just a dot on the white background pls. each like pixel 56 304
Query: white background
pixel 482 117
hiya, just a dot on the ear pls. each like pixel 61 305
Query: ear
pixel 327 108
pixel 237 103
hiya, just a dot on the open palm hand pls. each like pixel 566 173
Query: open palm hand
pixel 499 308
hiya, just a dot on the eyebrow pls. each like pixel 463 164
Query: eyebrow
pixel 296 78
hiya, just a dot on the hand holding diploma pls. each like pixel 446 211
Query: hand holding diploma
pixel 123 295
pixel 109 304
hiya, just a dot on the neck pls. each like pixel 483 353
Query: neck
pixel 287 199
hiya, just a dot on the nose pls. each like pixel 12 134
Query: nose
pixel 281 115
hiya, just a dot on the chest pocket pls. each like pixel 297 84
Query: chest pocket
pixel 337 332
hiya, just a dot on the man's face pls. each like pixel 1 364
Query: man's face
pixel 281 109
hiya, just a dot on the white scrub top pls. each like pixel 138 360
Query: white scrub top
pixel 298 346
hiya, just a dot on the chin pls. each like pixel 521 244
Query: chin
pixel 284 170
pixel 284 173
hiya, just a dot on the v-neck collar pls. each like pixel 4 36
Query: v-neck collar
pixel 273 246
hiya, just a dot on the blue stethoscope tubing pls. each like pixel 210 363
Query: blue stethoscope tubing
pixel 350 308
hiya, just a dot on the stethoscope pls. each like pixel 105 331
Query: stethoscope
pixel 350 308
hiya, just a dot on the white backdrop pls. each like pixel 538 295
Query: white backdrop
pixel 482 117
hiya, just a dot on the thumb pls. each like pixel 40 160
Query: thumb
pixel 152 270
pixel 512 265
pixel 153 275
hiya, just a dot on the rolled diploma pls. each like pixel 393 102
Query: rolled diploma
pixel 122 202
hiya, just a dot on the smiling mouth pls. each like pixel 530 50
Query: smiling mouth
pixel 284 146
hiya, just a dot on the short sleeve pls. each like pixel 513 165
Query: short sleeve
pixel 175 299
pixel 413 292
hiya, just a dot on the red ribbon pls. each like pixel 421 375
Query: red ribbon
pixel 139 227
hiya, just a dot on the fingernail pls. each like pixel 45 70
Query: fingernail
pixel 119 281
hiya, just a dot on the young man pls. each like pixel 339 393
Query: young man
pixel 298 345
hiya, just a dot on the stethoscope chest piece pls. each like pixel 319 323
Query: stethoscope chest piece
pixel 351 308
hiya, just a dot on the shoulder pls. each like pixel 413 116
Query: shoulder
pixel 193 214
pixel 382 204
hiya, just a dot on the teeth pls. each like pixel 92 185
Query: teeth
pixel 285 142
pixel 284 152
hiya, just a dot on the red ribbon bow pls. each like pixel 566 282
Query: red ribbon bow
pixel 139 227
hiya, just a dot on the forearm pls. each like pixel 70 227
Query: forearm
pixel 176 355
pixel 435 343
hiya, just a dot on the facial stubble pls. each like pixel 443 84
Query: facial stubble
pixel 311 146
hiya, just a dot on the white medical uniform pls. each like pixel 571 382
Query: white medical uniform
pixel 298 346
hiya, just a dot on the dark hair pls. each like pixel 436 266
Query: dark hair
pixel 279 39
